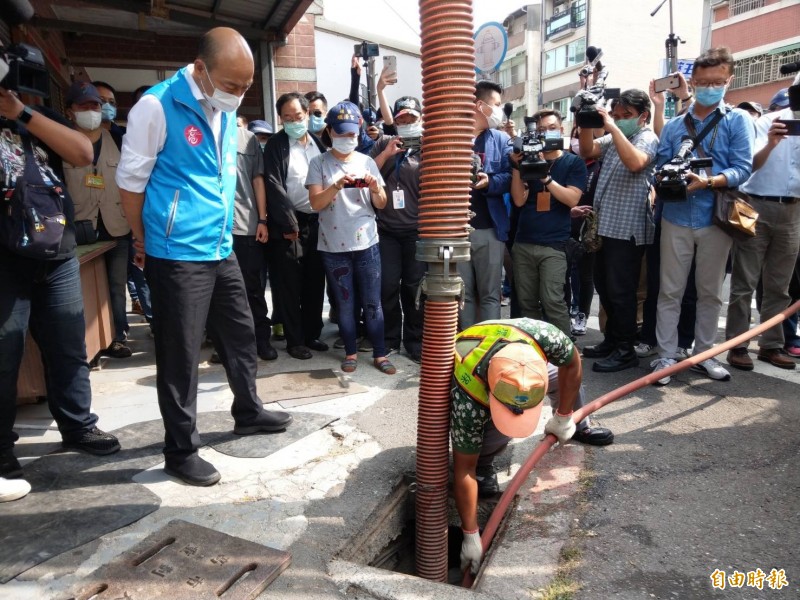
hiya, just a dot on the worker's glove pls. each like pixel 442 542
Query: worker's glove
pixel 561 426
pixel 471 551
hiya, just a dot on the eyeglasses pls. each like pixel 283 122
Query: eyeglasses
pixel 711 84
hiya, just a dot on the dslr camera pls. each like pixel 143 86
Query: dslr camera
pixel 22 70
pixel 531 144
pixel 671 178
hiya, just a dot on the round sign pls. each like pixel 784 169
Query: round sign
pixel 491 43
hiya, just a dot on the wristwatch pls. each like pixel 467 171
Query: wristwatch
pixel 548 181
pixel 262 221
pixel 689 97
pixel 710 183
pixel 25 116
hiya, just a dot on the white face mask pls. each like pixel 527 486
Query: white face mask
pixel 495 119
pixel 221 100
pixel 410 131
pixel 344 145
pixel 88 119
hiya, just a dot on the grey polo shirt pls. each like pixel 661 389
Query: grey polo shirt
pixel 249 164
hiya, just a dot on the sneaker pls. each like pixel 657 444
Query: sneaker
pixel 9 465
pixel 660 364
pixel 13 489
pixel 793 351
pixel 573 312
pixel 118 350
pixel 505 301
pixel 277 332
pixel 339 343
pixel 682 354
pixel 193 470
pixel 95 442
pixel 645 350
pixel 579 324
pixel 364 345
pixel 713 369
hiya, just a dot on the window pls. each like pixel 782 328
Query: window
pixel 578 11
pixel 563 57
pixel 512 74
pixel 742 6
pixel 561 106
pixel 762 68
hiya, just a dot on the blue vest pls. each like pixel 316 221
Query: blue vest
pixel 189 199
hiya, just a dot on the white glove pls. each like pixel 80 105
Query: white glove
pixel 561 427
pixel 471 551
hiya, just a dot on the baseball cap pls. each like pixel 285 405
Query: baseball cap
pixel 517 385
pixel 259 126
pixel 780 99
pixel 344 118
pixel 407 105
pixel 751 106
pixel 83 91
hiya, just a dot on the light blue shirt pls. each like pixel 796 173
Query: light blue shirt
pixel 780 175
pixel 731 150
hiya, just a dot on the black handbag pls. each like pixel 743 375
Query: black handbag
pixel 34 220
pixel 85 233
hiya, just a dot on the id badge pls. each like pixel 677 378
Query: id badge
pixel 95 181
pixel 543 202
pixel 398 199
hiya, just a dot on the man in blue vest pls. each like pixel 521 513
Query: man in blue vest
pixel 177 180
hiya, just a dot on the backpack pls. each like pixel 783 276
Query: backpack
pixel 33 212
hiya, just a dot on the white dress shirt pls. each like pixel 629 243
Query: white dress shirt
pixel 780 174
pixel 147 130
pixel 300 156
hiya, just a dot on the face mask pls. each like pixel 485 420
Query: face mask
pixel 709 96
pixel 295 130
pixel 628 126
pixel 88 119
pixel 108 111
pixel 222 100
pixel 575 144
pixel 345 145
pixel 262 144
pixel 316 123
pixel 495 119
pixel 409 131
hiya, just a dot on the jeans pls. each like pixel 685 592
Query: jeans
pixel 117 272
pixel 616 277
pixel 344 269
pixel 190 298
pixel 137 285
pixel 579 290
pixel 251 256
pixel 401 274
pixel 45 295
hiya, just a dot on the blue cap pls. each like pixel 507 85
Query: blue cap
pixel 83 91
pixel 259 126
pixel 780 100
pixel 344 118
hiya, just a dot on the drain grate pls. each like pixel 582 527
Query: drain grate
pixel 184 561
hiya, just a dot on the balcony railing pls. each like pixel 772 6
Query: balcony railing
pixel 572 19
pixel 742 6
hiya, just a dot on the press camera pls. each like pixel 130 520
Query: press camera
pixel 671 178
pixel 22 70
pixel 586 102
pixel 531 144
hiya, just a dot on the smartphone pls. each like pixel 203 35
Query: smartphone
pixel 390 63
pixel 792 126
pixel 670 82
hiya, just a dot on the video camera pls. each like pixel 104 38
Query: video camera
pixel 22 67
pixel 586 101
pixel 531 144
pixel 671 178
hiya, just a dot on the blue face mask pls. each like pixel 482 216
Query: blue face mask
pixel 109 112
pixel 709 96
pixel 316 123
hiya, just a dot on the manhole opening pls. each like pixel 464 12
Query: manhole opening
pixel 388 538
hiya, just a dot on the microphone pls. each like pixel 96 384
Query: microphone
pixel 15 12
pixel 789 68
pixel 508 108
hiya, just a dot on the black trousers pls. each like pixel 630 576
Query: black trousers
pixel 401 274
pixel 252 258
pixel 616 277
pixel 190 298
pixel 298 267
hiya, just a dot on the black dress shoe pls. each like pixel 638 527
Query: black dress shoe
pixel 267 353
pixel 600 350
pixel 268 420
pixel 621 358
pixel 317 345
pixel 193 470
pixel 594 436
pixel 299 352
pixel 9 465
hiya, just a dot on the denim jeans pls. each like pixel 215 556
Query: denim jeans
pixel 364 267
pixel 117 272
pixel 47 296
pixel 137 285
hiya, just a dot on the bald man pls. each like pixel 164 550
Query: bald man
pixel 177 180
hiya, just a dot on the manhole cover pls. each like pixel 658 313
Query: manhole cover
pixel 187 561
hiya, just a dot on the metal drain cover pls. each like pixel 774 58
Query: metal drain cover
pixel 184 561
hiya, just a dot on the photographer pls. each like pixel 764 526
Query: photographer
pixel 687 229
pixel 539 251
pixel 625 223
pixel 774 189
pixel 43 294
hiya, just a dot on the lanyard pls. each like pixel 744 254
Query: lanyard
pixel 398 162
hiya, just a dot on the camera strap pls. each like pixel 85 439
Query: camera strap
pixel 688 121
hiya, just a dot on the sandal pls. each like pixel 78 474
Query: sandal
pixel 349 365
pixel 384 366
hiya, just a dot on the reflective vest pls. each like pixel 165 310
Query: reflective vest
pixel 475 346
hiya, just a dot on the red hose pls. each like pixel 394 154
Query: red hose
pixel 549 440
pixel 448 99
